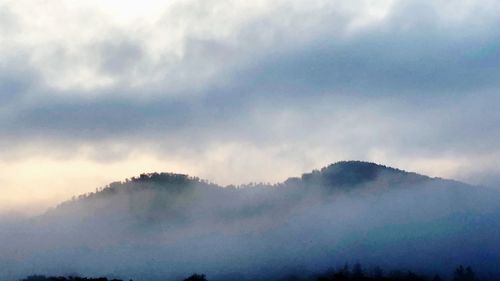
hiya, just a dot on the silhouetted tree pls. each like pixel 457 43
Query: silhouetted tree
pixel 61 278
pixel 464 274
pixel 357 272
pixel 437 278
pixel 411 276
pixel 378 273
pixel 196 277
pixel 346 271
pixel 340 274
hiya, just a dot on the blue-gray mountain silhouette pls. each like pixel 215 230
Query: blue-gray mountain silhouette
pixel 161 225
pixel 343 175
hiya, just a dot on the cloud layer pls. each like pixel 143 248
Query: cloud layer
pixel 231 91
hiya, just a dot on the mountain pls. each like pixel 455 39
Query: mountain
pixel 165 224
pixel 352 174
pixel 151 198
pixel 171 198
pixel 339 177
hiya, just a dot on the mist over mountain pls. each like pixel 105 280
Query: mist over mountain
pixel 165 225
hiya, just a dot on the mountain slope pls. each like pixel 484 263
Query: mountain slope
pixel 341 176
pixel 169 225
pixel 155 197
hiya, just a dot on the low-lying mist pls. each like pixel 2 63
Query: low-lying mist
pixel 167 226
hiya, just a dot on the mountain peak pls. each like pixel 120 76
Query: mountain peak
pixel 354 173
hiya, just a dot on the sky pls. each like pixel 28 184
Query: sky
pixel 242 91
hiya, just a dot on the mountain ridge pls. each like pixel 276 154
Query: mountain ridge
pixel 163 191
pixel 351 210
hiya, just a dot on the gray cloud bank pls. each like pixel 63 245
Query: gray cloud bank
pixel 418 81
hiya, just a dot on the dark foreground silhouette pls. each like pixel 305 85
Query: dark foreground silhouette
pixel 357 273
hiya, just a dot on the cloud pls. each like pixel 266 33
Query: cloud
pixel 311 82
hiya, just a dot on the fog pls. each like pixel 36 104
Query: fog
pixel 147 229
